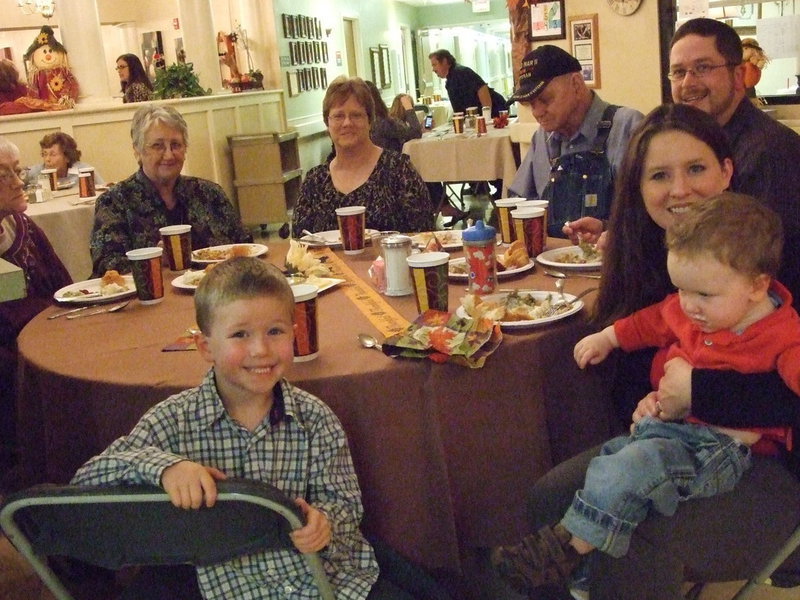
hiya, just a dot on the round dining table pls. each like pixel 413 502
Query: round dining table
pixel 444 453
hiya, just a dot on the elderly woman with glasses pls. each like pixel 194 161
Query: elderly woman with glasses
pixel 60 152
pixel 24 245
pixel 359 173
pixel 130 214
pixel 133 80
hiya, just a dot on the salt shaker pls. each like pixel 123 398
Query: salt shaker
pixel 479 244
pixel 43 183
pixel 395 249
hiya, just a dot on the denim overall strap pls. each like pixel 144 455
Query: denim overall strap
pixel 581 183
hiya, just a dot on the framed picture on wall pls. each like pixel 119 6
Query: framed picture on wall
pixel 386 70
pixel 319 29
pixel 288 26
pixel 375 65
pixel 324 78
pixel 293 82
pixel 324 48
pixel 317 53
pixel 547 21
pixel 585 46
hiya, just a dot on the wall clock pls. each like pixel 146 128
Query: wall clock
pixel 624 7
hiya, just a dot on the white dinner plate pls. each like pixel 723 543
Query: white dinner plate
pixel 500 274
pixel 182 283
pixel 332 237
pixel 535 322
pixel 450 239
pixel 255 250
pixel 322 283
pixel 555 258
pixel 91 289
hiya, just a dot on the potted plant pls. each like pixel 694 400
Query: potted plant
pixel 178 81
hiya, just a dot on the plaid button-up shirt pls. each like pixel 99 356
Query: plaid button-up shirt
pixel 300 448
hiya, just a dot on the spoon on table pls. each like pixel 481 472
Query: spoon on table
pixel 561 275
pixel 369 341
pixel 113 309
pixel 560 288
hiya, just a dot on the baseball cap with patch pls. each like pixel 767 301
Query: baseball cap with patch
pixel 540 66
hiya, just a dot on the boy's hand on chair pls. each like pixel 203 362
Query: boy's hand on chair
pixel 316 533
pixel 187 483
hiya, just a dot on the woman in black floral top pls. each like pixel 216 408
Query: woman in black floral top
pixel 133 79
pixel 130 214
pixel 361 173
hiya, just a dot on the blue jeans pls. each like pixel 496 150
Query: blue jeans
pixel 656 467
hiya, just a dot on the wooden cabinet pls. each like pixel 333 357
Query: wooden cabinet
pixel 267 175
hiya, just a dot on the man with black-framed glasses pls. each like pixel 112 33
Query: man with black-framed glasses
pixel 706 71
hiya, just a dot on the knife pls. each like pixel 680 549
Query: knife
pixel 67 312
pixel 108 309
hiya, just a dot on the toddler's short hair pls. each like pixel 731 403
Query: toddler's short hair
pixel 736 229
pixel 239 278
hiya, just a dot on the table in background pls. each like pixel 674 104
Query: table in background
pixel 444 454
pixel 442 112
pixel 68 228
pixel 441 155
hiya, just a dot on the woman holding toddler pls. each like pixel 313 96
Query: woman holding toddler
pixel 678 156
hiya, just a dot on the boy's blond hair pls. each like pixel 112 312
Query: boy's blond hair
pixel 737 230
pixel 240 278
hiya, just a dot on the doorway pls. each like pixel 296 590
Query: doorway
pixel 351 37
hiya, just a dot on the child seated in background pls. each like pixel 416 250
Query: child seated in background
pixel 245 420
pixel 728 313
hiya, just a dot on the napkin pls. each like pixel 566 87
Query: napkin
pixel 184 342
pixel 444 337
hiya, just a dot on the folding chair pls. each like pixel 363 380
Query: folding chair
pixel 114 527
pixel 768 571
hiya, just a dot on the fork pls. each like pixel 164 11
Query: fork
pixel 557 306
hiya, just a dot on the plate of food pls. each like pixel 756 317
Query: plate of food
pixel 332 237
pixel 189 280
pixel 457 269
pixel 322 283
pixel 583 256
pixel 110 287
pixel 448 240
pixel 215 254
pixel 518 309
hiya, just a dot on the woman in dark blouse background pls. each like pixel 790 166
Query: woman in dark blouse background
pixel 134 82
pixel 393 128
pixel 360 173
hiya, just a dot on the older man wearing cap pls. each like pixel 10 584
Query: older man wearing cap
pixel 580 143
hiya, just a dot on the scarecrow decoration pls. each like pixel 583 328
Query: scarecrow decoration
pixel 52 86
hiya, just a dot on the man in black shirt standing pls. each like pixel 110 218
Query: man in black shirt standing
pixel 465 88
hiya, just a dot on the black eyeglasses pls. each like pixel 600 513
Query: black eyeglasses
pixel 698 71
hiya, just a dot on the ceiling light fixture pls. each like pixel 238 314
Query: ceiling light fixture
pixel 44 7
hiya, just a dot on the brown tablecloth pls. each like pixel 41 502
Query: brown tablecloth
pixel 444 454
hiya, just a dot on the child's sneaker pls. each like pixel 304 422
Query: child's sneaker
pixel 544 557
